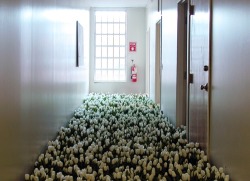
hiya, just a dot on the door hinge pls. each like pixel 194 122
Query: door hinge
pixel 191 10
pixel 191 78
pixel 185 75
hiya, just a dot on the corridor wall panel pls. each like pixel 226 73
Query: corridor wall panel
pixel 40 85
pixel 230 99
pixel 169 59
pixel 169 54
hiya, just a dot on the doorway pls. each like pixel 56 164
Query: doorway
pixel 158 63
pixel 181 99
pixel 199 73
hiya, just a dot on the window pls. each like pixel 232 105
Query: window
pixel 110 43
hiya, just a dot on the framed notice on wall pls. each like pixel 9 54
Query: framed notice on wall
pixel 79 45
pixel 132 46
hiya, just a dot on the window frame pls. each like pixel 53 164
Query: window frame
pixel 113 69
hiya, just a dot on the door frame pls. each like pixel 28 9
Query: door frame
pixel 182 61
pixel 158 61
pixel 192 79
pixel 147 75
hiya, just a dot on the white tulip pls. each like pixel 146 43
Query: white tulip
pixel 226 178
pixel 185 177
pixel 197 145
pixel 26 176
pixel 221 170
pixel 90 177
pixel 79 179
pixel 176 157
pixel 207 172
pixel 173 174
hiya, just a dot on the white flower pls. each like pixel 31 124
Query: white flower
pixel 26 176
pixel 221 170
pixel 112 129
pixel 79 179
pixel 176 157
pixel 90 177
pixel 226 178
pixel 89 169
pixel 185 177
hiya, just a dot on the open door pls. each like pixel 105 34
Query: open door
pixel 181 99
pixel 158 63
pixel 198 69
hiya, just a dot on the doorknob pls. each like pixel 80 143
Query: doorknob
pixel 204 87
pixel 205 68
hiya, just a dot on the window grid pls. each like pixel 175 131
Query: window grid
pixel 110 43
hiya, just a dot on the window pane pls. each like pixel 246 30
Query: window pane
pixel 122 63
pixel 110 74
pixel 104 63
pixel 122 28
pixel 110 28
pixel 116 29
pixel 110 40
pixel 98 18
pixel 110 63
pixel 104 52
pixel 122 40
pixel 104 28
pixel 116 39
pixel 116 75
pixel 117 18
pixel 122 51
pixel 104 74
pixel 98 63
pixel 98 74
pixel 110 52
pixel 123 17
pixel 110 17
pixel 98 52
pixel 98 28
pixel 104 17
pixel 104 40
pixel 98 39
pixel 116 52
pixel 122 75
pixel 116 63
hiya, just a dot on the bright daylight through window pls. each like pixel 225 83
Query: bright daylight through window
pixel 110 43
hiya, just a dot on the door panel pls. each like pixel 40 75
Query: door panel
pixel 199 57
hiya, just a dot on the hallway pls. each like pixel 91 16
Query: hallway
pixel 191 56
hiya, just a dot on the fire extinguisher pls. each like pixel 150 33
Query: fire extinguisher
pixel 133 73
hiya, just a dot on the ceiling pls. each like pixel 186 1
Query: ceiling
pixel 117 3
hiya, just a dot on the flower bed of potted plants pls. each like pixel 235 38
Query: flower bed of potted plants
pixel 122 137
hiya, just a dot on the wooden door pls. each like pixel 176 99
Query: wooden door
pixel 199 60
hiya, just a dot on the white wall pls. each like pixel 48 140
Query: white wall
pixel 169 54
pixel 136 31
pixel 40 85
pixel 169 59
pixel 230 98
pixel 153 16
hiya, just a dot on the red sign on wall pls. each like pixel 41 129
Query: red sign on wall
pixel 132 46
